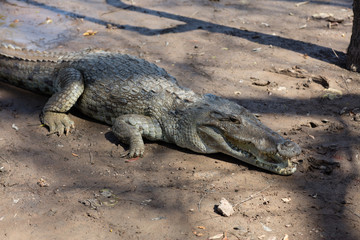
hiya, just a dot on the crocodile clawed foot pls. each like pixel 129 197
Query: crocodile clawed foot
pixel 137 151
pixel 134 151
pixel 58 123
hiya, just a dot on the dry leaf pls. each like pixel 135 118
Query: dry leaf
pixel 89 33
pixel 42 183
pixel 131 159
pixel 197 234
pixel 14 23
pixel 75 155
pixel 200 227
pixel 225 237
pixel 48 20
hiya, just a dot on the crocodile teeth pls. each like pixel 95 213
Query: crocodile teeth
pixel 234 147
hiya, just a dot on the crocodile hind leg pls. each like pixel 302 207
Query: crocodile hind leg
pixel 131 128
pixel 70 87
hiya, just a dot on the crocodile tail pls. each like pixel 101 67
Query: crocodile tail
pixel 16 52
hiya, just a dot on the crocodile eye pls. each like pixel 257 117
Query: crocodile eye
pixel 234 119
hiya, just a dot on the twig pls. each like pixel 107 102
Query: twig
pixel 91 158
pixel 109 12
pixel 356 214
pixel 301 3
pixel 199 204
pixel 4 159
pixel 334 52
pixel 239 238
pixel 353 212
pixel 346 85
pixel 252 196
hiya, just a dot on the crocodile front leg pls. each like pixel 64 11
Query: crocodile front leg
pixel 131 128
pixel 71 86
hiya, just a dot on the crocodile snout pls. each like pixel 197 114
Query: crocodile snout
pixel 288 149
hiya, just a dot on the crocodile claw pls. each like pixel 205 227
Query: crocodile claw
pixel 136 151
pixel 133 153
pixel 58 123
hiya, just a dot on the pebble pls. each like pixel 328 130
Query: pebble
pixel 225 208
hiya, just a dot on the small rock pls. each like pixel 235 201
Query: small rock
pixel 325 120
pixel 42 182
pixel 225 208
pixel 158 218
pixel 266 228
pixel 343 110
pixel 286 200
pixel 320 16
pixel 322 167
pixel 93 214
pixel 217 236
pixel 259 82
pixel 242 230
pixel 110 26
pixel 357 117
pixel 146 202
pixel 106 193
pixel 332 93
pixel 328 17
pixel 15 127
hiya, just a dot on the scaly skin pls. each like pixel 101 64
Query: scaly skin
pixel 141 100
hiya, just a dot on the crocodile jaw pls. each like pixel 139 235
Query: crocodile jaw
pixel 244 151
pixel 273 163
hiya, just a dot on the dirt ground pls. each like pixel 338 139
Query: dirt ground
pixel 78 187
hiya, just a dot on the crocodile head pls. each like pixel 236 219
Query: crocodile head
pixel 224 126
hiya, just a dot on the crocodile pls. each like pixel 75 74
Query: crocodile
pixel 141 100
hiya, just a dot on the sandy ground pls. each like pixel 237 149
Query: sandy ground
pixel 78 187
